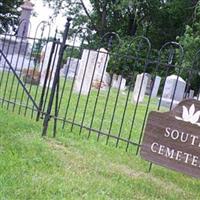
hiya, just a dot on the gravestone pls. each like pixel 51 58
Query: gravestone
pixel 44 61
pixel 191 94
pixel 107 78
pixel 118 82
pixel 70 68
pixel 140 88
pixel 16 48
pixel 174 90
pixel 92 71
pixel 123 84
pixel 101 77
pixel 24 20
pixel 114 83
pixel 156 86
pixel 149 84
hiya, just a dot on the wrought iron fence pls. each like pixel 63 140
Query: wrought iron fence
pixel 98 88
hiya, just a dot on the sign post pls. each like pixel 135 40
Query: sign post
pixel 172 139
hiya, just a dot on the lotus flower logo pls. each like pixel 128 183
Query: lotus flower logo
pixel 190 115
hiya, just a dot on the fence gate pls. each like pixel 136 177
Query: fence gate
pixel 27 66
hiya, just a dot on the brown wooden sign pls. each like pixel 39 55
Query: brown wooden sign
pixel 172 139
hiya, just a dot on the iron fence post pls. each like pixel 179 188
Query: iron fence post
pixel 56 78
pixel 46 77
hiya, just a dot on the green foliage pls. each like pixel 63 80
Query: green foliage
pixel 169 21
pixel 37 48
pixel 160 21
pixel 129 57
pixel 9 14
pixel 191 43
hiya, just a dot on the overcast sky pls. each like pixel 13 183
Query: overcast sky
pixel 44 13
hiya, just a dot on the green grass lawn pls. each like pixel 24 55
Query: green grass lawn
pixel 72 167
pixel 118 119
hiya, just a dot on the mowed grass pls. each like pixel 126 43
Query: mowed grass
pixel 113 114
pixel 72 167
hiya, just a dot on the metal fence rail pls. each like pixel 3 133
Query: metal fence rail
pixel 101 90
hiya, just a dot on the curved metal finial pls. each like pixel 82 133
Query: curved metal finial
pixel 141 44
pixel 69 19
pixel 84 31
pixel 43 24
pixel 110 36
pixel 172 52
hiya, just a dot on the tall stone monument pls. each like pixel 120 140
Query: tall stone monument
pixel 24 20
pixel 16 47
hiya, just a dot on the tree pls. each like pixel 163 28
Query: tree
pixel 160 20
pixel 191 43
pixel 9 14
pixel 169 21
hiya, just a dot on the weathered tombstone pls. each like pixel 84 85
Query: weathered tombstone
pixel 101 77
pixel 101 84
pixel 118 82
pixel 123 84
pixel 149 84
pixel 172 139
pixel 24 21
pixel 70 68
pixel 107 78
pixel 140 88
pixel 102 62
pixel 44 61
pixel 174 89
pixel 91 71
pixel 85 72
pixel 191 94
pixel 114 83
pixel 156 86
pixel 16 48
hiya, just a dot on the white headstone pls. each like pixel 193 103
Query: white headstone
pixel 118 82
pixel 107 78
pixel 114 81
pixel 102 62
pixel 149 84
pixel 156 86
pixel 140 88
pixel 170 93
pixel 123 84
pixel 45 56
pixel 70 68
pixel 191 94
pixel 92 70
pixel 102 84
